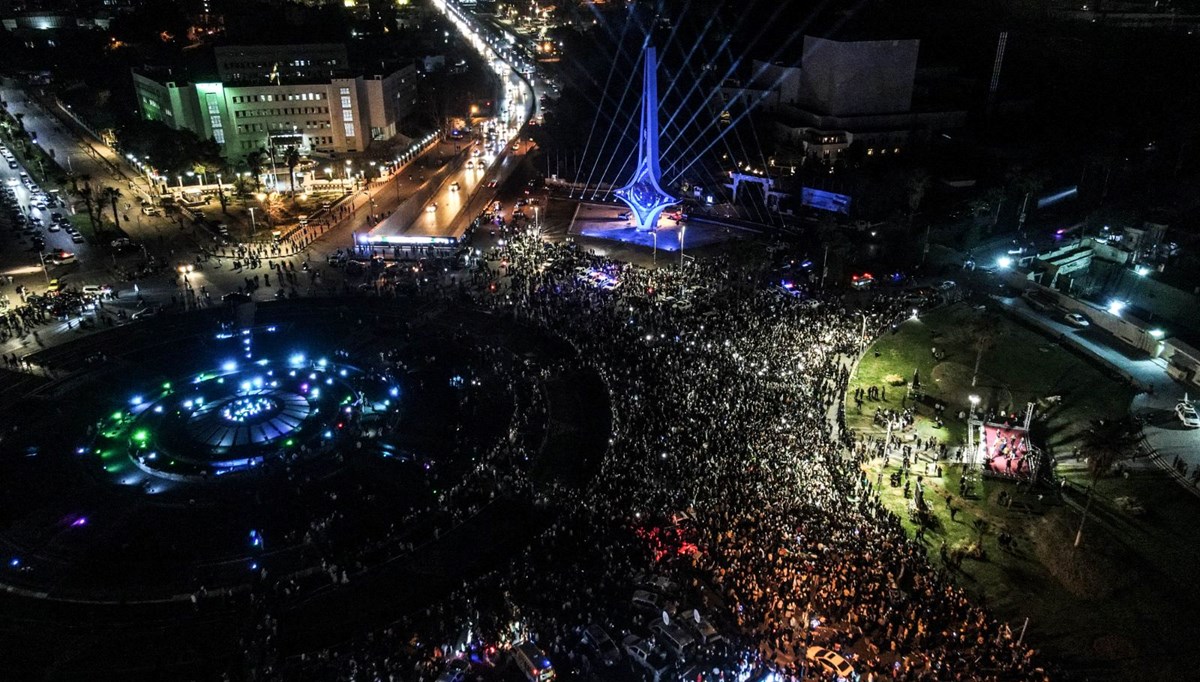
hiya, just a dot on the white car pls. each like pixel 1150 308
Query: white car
pixel 1077 320
pixel 1187 415
pixel 432 208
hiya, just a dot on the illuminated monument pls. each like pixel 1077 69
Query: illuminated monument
pixel 643 193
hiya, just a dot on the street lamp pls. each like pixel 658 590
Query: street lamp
pixel 974 399
pixel 682 230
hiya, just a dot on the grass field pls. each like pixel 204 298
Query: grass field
pixel 1119 607
pixel 1022 367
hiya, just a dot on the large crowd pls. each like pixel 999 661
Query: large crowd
pixel 729 476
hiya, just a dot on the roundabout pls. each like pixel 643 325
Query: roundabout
pixel 312 449
pixel 235 419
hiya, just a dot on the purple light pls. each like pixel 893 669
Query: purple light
pixel 81 521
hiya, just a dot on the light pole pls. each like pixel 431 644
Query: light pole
pixel 180 182
pixel 682 230
pixel 253 224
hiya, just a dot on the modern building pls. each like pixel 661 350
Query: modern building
pixel 843 92
pixel 280 96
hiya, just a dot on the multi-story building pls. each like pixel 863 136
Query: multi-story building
pixel 842 92
pixel 274 97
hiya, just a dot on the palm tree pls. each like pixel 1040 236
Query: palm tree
pixel 112 194
pixel 291 157
pixel 982 333
pixel 86 193
pixel 255 160
pixel 1105 443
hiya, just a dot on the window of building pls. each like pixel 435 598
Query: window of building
pixel 345 91
pixel 345 101
pixel 349 130
pixel 347 115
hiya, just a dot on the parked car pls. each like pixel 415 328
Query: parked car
pixel 1186 414
pixel 601 644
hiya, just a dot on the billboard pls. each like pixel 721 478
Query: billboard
pixel 826 201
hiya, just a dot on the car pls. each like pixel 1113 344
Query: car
pixel 456 671
pixel 150 210
pixel 1187 414
pixel 491 184
pixel 601 644
pixel 647 601
pixel 97 289
pixel 830 661
pixel 947 285
pixel 432 208
pixel 235 297
pixel 454 186
pixel 61 257
pixel 77 238
pixel 643 653
pixel 54 287
pixel 470 164
pixel 1077 320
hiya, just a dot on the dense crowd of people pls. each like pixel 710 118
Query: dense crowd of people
pixel 730 476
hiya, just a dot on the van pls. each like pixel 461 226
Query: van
pixel 532 662
pixel 673 637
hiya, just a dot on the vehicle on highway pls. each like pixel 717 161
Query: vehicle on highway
pixel 61 257
pixel 832 662
pixel 432 208
pixel 1077 320
pixel 1186 414
pixel 491 184
pixel 454 186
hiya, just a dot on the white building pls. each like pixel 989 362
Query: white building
pixel 280 96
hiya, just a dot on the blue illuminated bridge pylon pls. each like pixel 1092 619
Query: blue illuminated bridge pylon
pixel 644 194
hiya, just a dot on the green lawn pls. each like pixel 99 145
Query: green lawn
pixel 1119 607
pixel 1023 366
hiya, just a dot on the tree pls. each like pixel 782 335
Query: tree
pixel 291 158
pixel 1104 444
pixel 173 152
pixel 916 184
pixel 982 333
pixel 86 193
pixel 255 160
pixel 111 194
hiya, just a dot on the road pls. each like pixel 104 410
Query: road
pixel 1163 432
